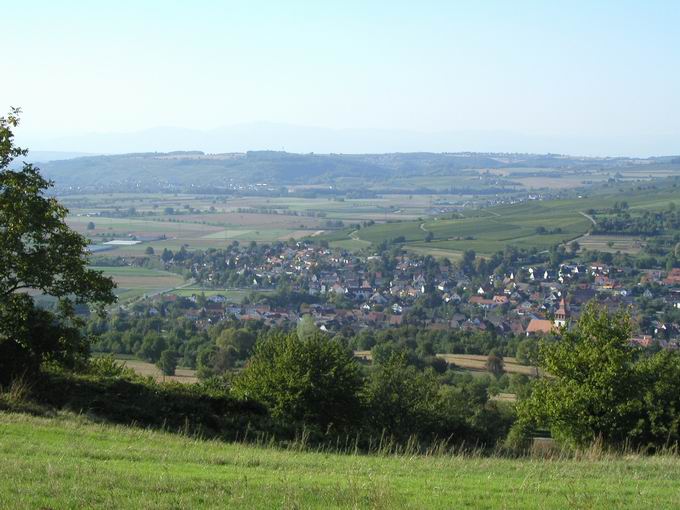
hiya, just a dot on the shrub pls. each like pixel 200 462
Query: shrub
pixel 312 381
pixel 599 391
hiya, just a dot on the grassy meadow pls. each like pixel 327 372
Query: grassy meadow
pixel 68 461
pixel 134 282
pixel 143 368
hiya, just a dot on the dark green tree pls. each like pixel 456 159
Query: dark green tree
pixel 401 400
pixel 39 252
pixel 494 364
pixel 167 363
pixel 310 380
pixel 598 389
pixel 152 347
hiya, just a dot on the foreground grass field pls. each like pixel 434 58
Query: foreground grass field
pixel 70 462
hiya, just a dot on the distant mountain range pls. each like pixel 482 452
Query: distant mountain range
pixel 43 156
pixel 302 139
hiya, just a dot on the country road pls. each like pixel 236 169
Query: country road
pixel 585 215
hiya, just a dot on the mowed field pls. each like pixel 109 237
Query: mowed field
pixel 183 375
pixel 470 362
pixel 67 461
pixel 478 363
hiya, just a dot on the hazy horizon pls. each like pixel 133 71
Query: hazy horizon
pixel 587 80
pixel 313 139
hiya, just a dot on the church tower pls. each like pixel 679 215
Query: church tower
pixel 561 315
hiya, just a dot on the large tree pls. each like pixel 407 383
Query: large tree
pixel 599 388
pixel 312 381
pixel 39 253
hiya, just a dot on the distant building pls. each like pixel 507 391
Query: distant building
pixel 673 277
pixel 561 315
pixel 539 327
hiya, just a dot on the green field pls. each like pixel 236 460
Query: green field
pixel 510 225
pixel 69 462
pixel 134 282
pixel 202 222
pixel 489 230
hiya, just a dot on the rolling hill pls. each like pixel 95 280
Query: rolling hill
pixel 163 171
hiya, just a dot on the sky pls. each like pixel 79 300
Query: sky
pixel 591 77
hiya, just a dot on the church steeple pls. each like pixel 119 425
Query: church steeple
pixel 561 315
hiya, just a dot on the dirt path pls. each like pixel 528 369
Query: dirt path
pixel 592 220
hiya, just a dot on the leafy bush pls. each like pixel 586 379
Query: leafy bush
pixel 598 390
pixel 310 380
pixel 190 408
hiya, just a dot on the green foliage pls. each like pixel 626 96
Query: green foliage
pixel 598 390
pixel 306 328
pixel 242 341
pixel 311 380
pixel 167 362
pixel 107 366
pixel 39 251
pixel 30 336
pixel 527 351
pixel 152 347
pixel 129 399
pixel 402 400
pixel 494 364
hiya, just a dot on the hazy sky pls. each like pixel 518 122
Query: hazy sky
pixel 565 70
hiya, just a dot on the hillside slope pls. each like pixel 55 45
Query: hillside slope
pixel 69 462
pixel 537 224
pixel 194 168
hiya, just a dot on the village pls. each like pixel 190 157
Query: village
pixel 347 292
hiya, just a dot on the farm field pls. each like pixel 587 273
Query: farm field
pixel 470 362
pixel 183 375
pixel 489 230
pixel 612 243
pixel 478 363
pixel 510 225
pixel 67 461
pixel 202 222
pixel 438 253
pixel 134 282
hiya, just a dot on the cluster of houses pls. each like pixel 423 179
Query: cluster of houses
pixel 347 291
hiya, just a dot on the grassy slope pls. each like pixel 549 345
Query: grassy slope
pixel 67 462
